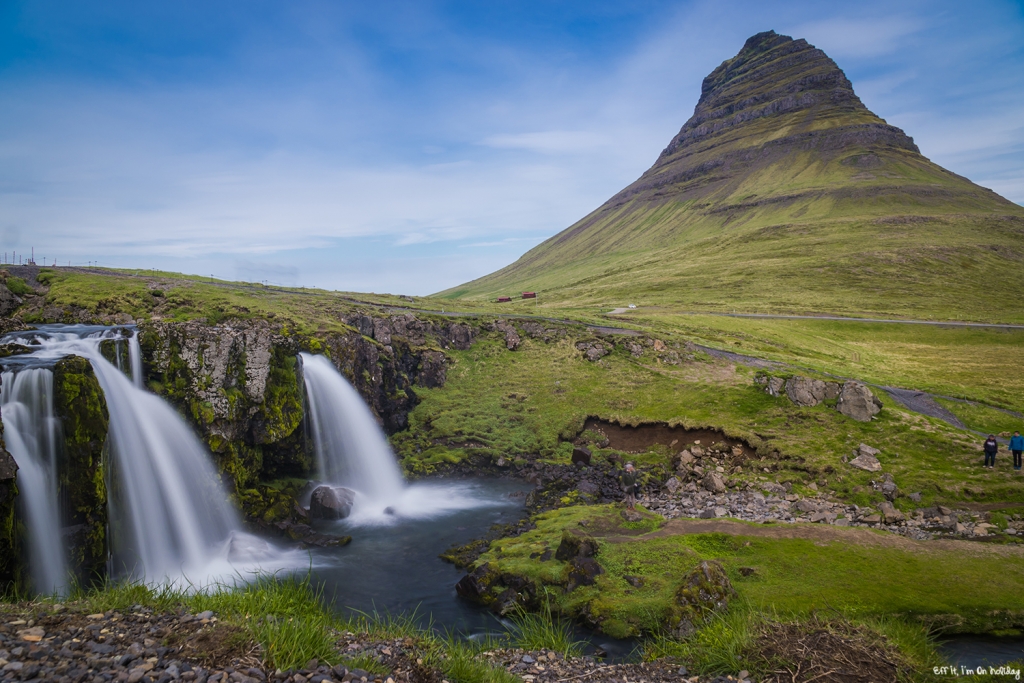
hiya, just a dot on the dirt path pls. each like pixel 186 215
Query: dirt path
pixel 822 534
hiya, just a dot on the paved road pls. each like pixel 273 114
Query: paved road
pixel 936 323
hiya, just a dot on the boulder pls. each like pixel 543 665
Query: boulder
pixel 575 543
pixel 583 571
pixel 865 449
pixel 9 301
pixel 331 502
pixel 673 484
pixel 775 386
pixel 704 590
pixel 856 401
pixel 476 585
pixel 581 455
pixel 588 488
pixel 714 483
pixel 805 391
pixel 889 512
pixel 685 459
pixel 868 463
pixel 593 350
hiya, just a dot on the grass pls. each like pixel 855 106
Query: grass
pixel 502 404
pixel 542 631
pixel 792 577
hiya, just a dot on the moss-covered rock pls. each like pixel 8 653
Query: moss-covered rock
pixel 79 403
pixel 705 590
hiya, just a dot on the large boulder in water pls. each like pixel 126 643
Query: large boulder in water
pixel 331 502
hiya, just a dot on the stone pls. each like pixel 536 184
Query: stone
pixel 581 455
pixel 866 462
pixel 673 484
pixel 331 502
pixel 804 391
pixel 583 571
pixel 721 511
pixel 806 506
pixel 704 590
pixel 857 402
pixel 775 386
pixel 915 497
pixel 475 586
pixel 9 301
pixel 686 459
pixel 865 449
pixel 714 482
pixel 890 513
pixel 575 543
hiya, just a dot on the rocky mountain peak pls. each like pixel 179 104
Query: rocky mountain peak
pixel 772 75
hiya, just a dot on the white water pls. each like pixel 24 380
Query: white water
pixel 135 359
pixel 31 433
pixel 352 451
pixel 169 515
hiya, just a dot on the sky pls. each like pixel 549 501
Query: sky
pixel 407 147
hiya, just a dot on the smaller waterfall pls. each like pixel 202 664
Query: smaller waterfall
pixel 135 359
pixel 351 450
pixel 32 432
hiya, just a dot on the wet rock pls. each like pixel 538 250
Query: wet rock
pixel 704 590
pixel 476 585
pixel 857 402
pixel 331 502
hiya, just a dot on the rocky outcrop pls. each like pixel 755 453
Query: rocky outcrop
pixel 705 590
pixel 239 382
pixel 9 301
pixel 857 402
pixel 805 391
pixel 79 403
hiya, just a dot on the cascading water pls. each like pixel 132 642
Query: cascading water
pixel 350 449
pixel 352 452
pixel 135 359
pixel 32 435
pixel 170 517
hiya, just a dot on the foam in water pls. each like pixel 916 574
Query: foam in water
pixel 169 515
pixel 351 451
pixel 32 435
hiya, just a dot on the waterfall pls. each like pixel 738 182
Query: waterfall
pixel 31 433
pixel 135 359
pixel 169 515
pixel 351 450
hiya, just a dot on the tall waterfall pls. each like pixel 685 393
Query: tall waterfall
pixel 351 450
pixel 135 359
pixel 169 515
pixel 32 435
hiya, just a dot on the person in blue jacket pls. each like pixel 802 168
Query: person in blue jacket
pixel 1016 447
pixel 991 448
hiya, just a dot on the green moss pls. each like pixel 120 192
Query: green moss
pixel 82 410
pixel 18 286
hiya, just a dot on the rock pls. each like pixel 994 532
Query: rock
pixel 593 350
pixel 714 483
pixel 747 571
pixel 685 459
pixel 707 513
pixel 331 502
pixel 857 402
pixel 866 462
pixel 512 339
pixel 476 585
pixel 806 506
pixel 575 543
pixel 583 571
pixel 889 490
pixel 865 449
pixel 581 455
pixel 805 391
pixel 775 386
pixel 588 487
pixel 673 484
pixel 704 590
pixel 9 301
pixel 916 496
pixel 721 511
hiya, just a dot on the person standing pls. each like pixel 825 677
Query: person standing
pixel 991 448
pixel 1016 447
pixel 628 481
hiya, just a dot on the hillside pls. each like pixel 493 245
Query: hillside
pixel 783 192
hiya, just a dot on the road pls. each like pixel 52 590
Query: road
pixel 772 316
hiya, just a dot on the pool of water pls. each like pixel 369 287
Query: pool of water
pixel 975 651
pixel 392 564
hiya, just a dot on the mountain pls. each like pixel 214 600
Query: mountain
pixel 783 192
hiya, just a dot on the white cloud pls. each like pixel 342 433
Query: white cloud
pixel 853 38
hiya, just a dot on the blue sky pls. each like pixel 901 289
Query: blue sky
pixel 410 146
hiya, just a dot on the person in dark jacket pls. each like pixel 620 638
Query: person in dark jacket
pixel 991 448
pixel 628 481
pixel 1016 447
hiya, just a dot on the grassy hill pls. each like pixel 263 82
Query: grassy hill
pixel 784 193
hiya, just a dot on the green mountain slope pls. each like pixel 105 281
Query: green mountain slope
pixel 783 192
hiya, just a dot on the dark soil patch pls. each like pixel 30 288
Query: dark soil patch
pixel 641 438
pixel 829 651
